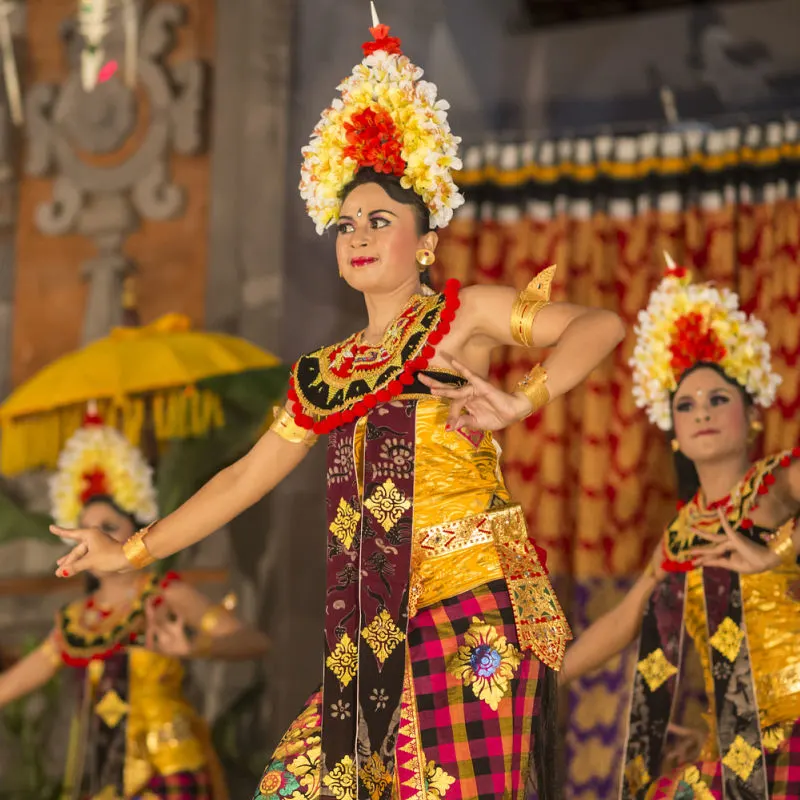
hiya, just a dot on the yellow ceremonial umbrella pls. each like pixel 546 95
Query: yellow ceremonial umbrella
pixel 156 371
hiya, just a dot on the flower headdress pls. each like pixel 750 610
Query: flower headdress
pixel 99 461
pixel 686 323
pixel 387 119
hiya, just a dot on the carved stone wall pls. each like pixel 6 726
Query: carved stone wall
pixel 135 189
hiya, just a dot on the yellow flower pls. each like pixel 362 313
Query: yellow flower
pixel 486 662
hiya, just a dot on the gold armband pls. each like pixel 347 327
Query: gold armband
pixel 285 426
pixel 136 550
pixel 782 543
pixel 531 300
pixel 534 387
pixel 51 651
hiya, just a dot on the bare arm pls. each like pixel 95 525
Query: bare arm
pixel 581 337
pixel 28 674
pixel 224 497
pixel 220 634
pixel 613 632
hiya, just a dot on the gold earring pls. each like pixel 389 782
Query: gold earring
pixel 756 426
pixel 675 445
pixel 425 257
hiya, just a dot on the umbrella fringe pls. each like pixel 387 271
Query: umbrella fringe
pixel 35 441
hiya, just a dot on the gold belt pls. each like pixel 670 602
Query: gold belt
pixel 456 556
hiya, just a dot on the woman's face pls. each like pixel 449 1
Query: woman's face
pixel 710 417
pixel 105 517
pixel 378 240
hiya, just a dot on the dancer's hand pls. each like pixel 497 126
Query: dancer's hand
pixel 685 747
pixel 94 551
pixel 478 404
pixel 165 633
pixel 730 550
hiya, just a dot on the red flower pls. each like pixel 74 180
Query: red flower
pixel 693 341
pixel 373 141
pixel 95 484
pixel 389 44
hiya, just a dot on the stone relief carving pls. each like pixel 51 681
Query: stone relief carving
pixel 162 112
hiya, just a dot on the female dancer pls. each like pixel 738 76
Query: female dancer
pixel 134 735
pixel 726 570
pixel 440 618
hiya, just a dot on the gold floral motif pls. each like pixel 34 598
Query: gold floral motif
pixel 691 777
pixel 375 776
pixel 486 662
pixel 306 769
pixel 728 639
pixel 382 635
pixel 387 504
pixel 341 780
pixel 637 775
pixel 656 669
pixel 741 758
pixel 111 708
pixel 774 736
pixel 437 781
pixel 343 661
pixel 345 524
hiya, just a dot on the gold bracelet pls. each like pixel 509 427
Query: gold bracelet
pixel 211 617
pixel 136 550
pixel 285 426
pixel 533 386
pixel 531 300
pixel 782 542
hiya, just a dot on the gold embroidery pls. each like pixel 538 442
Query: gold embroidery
pixel 382 635
pixel 774 736
pixel 741 758
pixel 409 749
pixel 345 523
pixel 728 639
pixel 341 780
pixel 375 776
pixel 111 709
pixel 637 775
pixel 306 768
pixel 437 781
pixel 387 504
pixel 335 369
pixel 656 669
pixel 691 777
pixel 541 624
pixel 486 662
pixel 343 661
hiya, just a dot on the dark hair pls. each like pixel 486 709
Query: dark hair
pixel 685 471
pixel 546 764
pixel 392 186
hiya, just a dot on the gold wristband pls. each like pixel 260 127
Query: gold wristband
pixel 533 386
pixel 211 617
pixel 285 426
pixel 528 304
pixel 782 542
pixel 136 550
